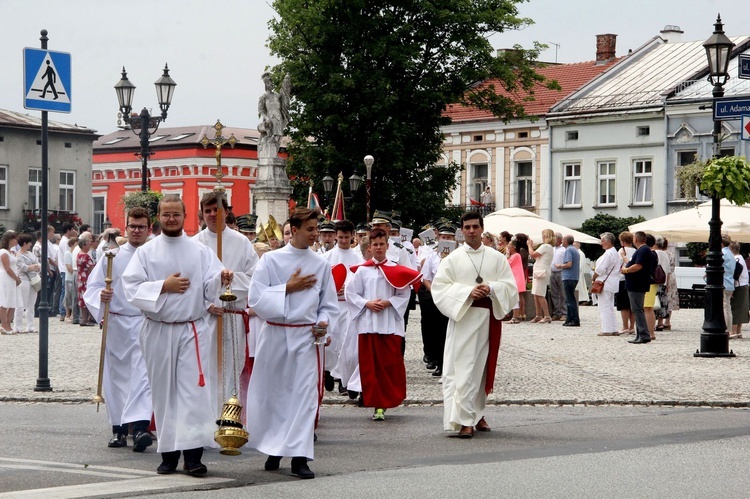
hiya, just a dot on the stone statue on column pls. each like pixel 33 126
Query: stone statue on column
pixel 272 189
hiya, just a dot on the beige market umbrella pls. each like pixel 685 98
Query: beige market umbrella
pixel 516 220
pixel 691 224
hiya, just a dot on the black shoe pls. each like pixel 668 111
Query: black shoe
pixel 438 372
pixel 328 381
pixel 342 389
pixel 431 365
pixel 352 394
pixel 315 437
pixel 141 440
pixel 360 401
pixel 301 469
pixel 572 324
pixel 196 469
pixel 639 341
pixel 272 463
pixel 167 467
pixel 118 440
pixel 425 359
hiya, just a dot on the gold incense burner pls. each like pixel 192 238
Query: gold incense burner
pixel 230 435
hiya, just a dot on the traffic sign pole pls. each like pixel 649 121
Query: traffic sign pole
pixel 42 382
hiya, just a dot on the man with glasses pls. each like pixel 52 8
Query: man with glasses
pixel 126 389
pixel 170 279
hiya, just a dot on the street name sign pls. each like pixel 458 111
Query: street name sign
pixel 46 80
pixel 733 108
pixel 744 66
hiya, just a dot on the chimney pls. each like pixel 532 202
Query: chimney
pixel 605 47
pixel 671 34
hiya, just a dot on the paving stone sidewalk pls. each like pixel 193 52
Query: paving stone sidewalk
pixel 538 364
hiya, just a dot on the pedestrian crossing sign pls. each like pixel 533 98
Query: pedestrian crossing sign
pixel 46 80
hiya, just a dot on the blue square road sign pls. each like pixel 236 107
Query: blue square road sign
pixel 46 80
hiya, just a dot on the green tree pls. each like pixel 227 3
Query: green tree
pixel 602 223
pixel 373 77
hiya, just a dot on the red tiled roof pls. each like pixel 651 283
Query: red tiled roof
pixel 570 77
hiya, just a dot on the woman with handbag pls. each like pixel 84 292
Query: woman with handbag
pixel 606 282
pixel 28 269
pixel 541 274
pixel 10 298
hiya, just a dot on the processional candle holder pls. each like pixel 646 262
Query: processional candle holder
pixel 110 249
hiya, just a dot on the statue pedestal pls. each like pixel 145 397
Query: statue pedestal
pixel 272 190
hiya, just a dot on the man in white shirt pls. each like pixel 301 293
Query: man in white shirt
pixel 58 302
pixel 556 292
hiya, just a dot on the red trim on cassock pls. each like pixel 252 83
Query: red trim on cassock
pixel 398 276
pixel 382 371
pixel 496 329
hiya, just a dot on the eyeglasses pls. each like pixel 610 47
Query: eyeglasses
pixel 137 228
pixel 172 215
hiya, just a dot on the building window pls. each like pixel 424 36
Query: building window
pixel 524 179
pixel 35 188
pixel 571 135
pixel 67 191
pixel 479 181
pixel 642 181
pixel 3 186
pixel 99 215
pixel 523 135
pixel 642 131
pixel 572 184
pixel 68 145
pixel 726 152
pixel 607 177
pixel 478 138
pixel 684 158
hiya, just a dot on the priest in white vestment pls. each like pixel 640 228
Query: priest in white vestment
pixel 239 256
pixel 170 279
pixel 475 288
pixel 127 393
pixel 292 290
pixel 341 257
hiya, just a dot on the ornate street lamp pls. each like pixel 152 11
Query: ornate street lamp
pixel 354 182
pixel 327 186
pixel 715 336
pixel 369 160
pixel 144 125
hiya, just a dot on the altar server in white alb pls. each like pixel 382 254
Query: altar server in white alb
pixel 170 279
pixel 475 288
pixel 127 393
pixel 341 257
pixel 239 256
pixel 292 290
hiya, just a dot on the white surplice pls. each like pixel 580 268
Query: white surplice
pixel 239 256
pixel 282 398
pixel 368 284
pixel 467 338
pixel 127 392
pixel 338 330
pixel 185 417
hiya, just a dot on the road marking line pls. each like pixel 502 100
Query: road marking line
pixel 54 465
pixel 119 487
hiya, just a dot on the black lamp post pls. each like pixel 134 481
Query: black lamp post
pixel 327 187
pixel 144 125
pixel 715 337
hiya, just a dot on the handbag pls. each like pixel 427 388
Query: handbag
pixel 540 274
pixel 598 286
pixel 36 282
pixel 657 303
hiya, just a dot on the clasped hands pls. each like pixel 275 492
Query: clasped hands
pixel 377 305
pixel 480 291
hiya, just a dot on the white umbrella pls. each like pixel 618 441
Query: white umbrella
pixel 516 220
pixel 691 224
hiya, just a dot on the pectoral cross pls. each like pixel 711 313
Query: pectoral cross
pixel 218 142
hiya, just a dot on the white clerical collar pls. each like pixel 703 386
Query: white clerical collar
pixel 472 250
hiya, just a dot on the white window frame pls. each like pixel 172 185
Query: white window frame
pixel 478 184
pixel 610 177
pixel 98 223
pixel 37 186
pixel 64 188
pixel 677 194
pixel 643 176
pixel 574 181
pixel 4 187
pixel 526 179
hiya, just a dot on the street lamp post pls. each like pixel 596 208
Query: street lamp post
pixel 715 337
pixel 369 160
pixel 144 125
pixel 327 188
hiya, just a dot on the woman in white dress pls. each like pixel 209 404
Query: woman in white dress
pixel 10 298
pixel 542 262
pixel 608 271
pixel 28 267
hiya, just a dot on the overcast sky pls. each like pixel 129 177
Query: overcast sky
pixel 216 50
